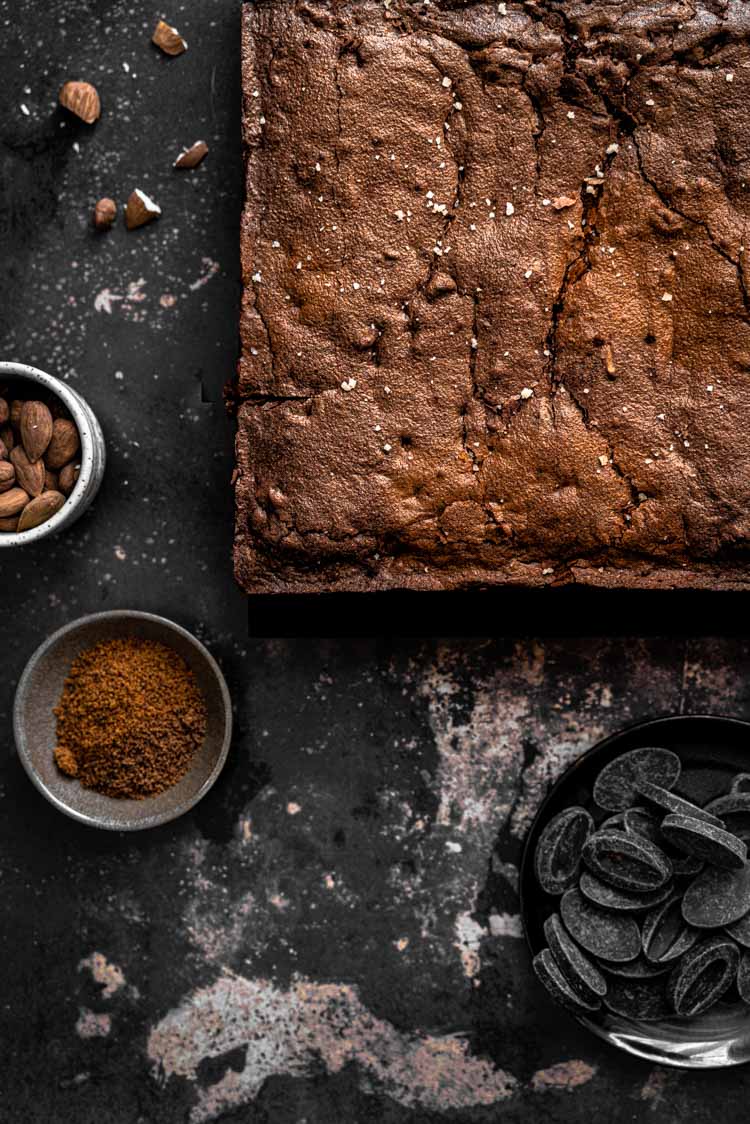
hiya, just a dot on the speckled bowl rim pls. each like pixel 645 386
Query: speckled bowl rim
pixel 643 726
pixel 20 736
pixel 72 400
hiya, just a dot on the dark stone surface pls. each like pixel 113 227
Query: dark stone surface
pixel 332 934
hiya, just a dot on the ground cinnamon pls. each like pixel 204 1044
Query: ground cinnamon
pixel 130 718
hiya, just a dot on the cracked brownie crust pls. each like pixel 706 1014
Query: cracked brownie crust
pixel 495 317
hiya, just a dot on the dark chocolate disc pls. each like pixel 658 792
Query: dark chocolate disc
pixel 643 822
pixel 743 978
pixel 704 841
pixel 558 852
pixel 613 936
pixel 685 866
pixel 734 811
pixel 740 931
pixel 626 860
pixel 581 975
pixel 640 821
pixel 610 897
pixel 545 966
pixel 643 1000
pixel 616 821
pixel 675 805
pixel 638 969
pixel 702 976
pixel 717 897
pixel 665 933
pixel 616 786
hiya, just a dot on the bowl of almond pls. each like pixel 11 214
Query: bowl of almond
pixel 52 454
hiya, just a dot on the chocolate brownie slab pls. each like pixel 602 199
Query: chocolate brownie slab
pixel 495 316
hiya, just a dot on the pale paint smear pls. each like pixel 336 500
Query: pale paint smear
pixel 294 1032
pixel 505 925
pixel 564 1075
pixel 92 1025
pixel 103 972
pixel 469 936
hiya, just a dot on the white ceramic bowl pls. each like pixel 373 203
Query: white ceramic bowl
pixel 92 454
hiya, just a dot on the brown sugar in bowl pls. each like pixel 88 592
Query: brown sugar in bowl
pixel 34 723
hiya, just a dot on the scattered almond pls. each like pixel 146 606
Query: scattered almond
pixel 82 99
pixel 35 426
pixel 168 39
pixel 63 445
pixel 7 476
pixel 13 502
pixel 29 474
pixel 68 478
pixel 562 201
pixel 105 213
pixel 39 510
pixel 191 157
pixel 139 209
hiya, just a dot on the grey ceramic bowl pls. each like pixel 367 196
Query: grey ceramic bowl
pixel 92 455
pixel 39 690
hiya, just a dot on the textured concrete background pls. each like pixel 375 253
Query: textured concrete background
pixel 333 934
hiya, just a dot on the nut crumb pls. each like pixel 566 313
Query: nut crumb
pixel 168 39
pixel 191 157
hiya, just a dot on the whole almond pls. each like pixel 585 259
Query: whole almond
pixel 8 438
pixel 39 510
pixel 68 477
pixel 4 411
pixel 4 450
pixel 63 445
pixel 82 99
pixel 29 474
pixel 9 524
pixel 15 412
pixel 12 502
pixel 7 476
pixel 36 429
pixel 51 482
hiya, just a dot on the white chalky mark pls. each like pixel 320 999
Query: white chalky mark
pixel 313 1025
pixel 103 300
